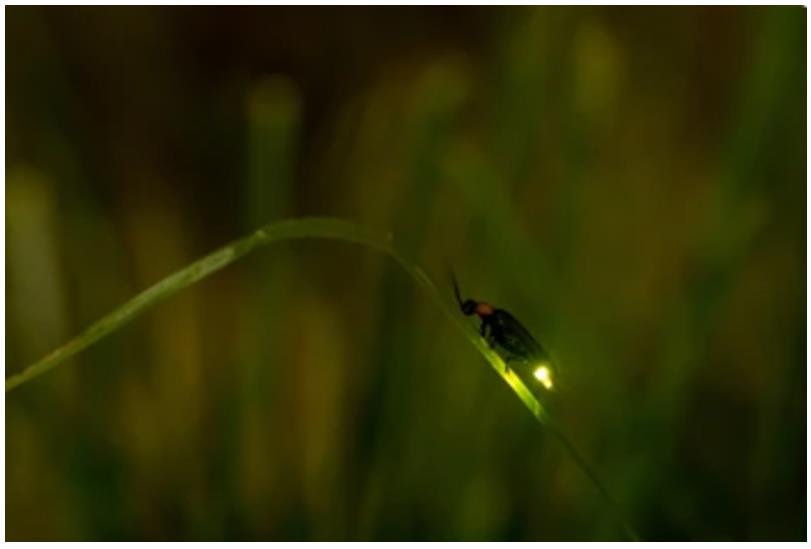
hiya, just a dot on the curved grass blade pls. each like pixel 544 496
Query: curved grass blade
pixel 296 229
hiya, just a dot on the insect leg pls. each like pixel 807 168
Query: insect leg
pixel 491 340
pixel 511 358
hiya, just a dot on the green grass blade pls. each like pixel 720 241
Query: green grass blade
pixel 303 228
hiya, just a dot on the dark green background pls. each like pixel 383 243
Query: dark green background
pixel 630 183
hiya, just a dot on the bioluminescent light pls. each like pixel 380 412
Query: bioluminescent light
pixel 544 375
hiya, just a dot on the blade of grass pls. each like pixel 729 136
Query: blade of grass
pixel 293 229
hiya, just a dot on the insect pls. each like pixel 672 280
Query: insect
pixel 503 332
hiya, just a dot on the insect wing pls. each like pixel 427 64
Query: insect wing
pixel 516 339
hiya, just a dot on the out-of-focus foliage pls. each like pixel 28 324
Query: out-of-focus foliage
pixel 630 183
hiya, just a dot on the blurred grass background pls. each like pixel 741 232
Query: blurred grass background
pixel 629 182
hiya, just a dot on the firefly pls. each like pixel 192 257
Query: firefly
pixel 504 333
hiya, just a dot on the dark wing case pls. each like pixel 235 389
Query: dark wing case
pixel 516 339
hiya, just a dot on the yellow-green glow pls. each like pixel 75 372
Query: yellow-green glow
pixel 544 375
